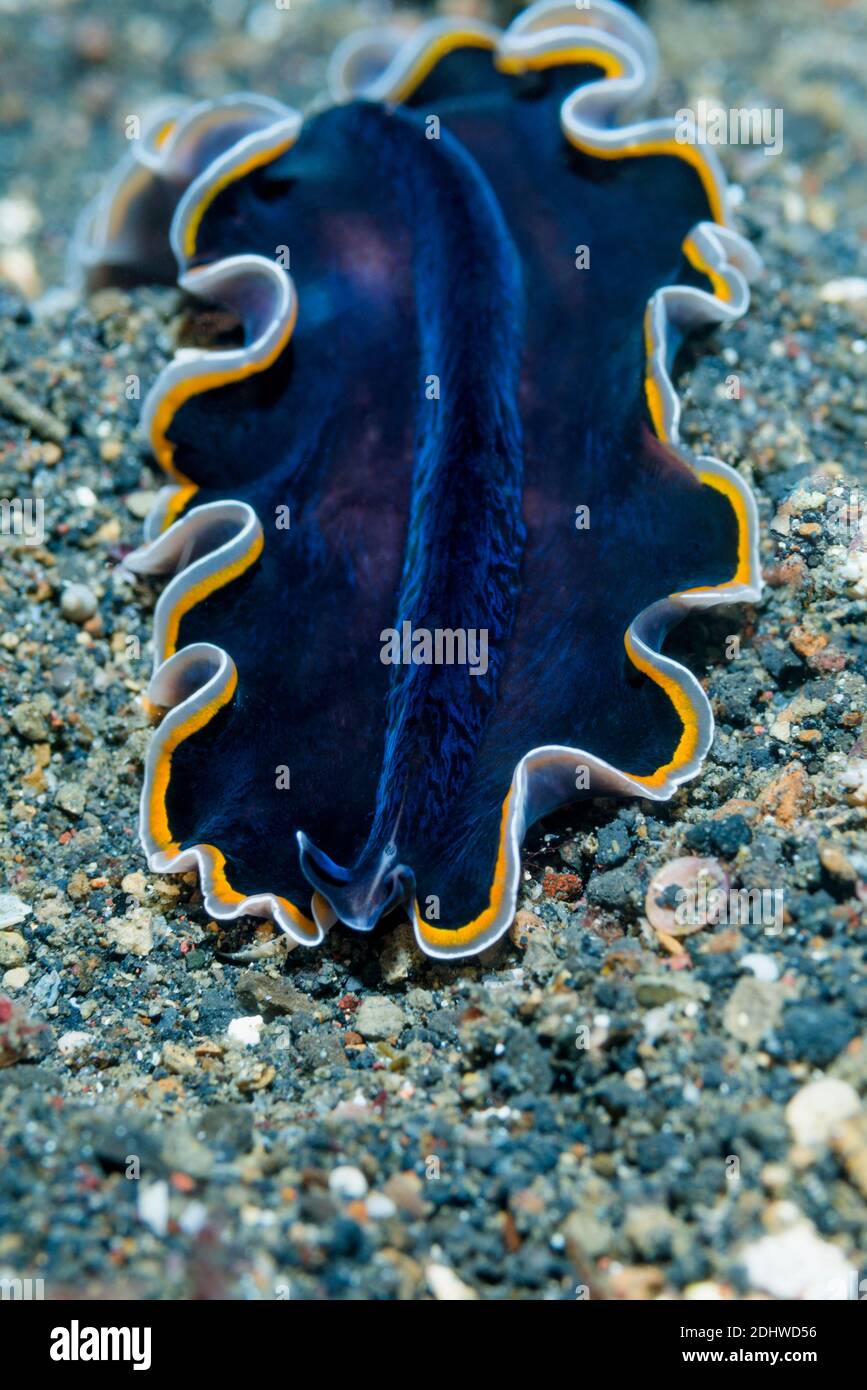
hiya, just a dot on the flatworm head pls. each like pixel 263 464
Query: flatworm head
pixel 431 523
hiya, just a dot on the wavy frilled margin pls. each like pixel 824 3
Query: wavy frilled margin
pixel 186 158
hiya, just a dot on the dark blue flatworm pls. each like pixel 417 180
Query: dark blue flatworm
pixel 431 523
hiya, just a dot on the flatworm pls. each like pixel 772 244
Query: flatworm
pixel 450 433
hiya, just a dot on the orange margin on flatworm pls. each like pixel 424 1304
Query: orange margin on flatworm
pixel 439 49
pixel 183 391
pixel 231 176
pixel 138 180
pixel 690 154
pixel 157 814
pixel 443 936
pixel 721 286
pixel 686 713
pixel 158 820
pixel 685 751
pixel 198 385
pixel 176 503
pixel 743 573
pixel 652 393
pixel 222 889
pixel 164 451
pixel 208 585
pixel 517 63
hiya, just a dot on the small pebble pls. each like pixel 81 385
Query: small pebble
pixel 763 967
pixel 71 798
pixel 348 1183
pixel 13 949
pixel 77 603
pixel 445 1285
pixel 17 978
pixel 796 1264
pixel 380 1207
pixel 132 934
pixel 246 1030
pixel 152 1206
pixel 139 504
pixel 12 911
pixel 379 1018
pixel 816 1111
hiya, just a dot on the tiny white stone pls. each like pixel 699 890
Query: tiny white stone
pixel 77 603
pixel 380 1207
pixel 817 1109
pixel 347 1182
pixel 12 911
pixel 657 1022
pixel 445 1285
pixel 139 503
pixel 845 290
pixel 18 218
pixel 246 1030
pixel 153 1207
pixel 193 1218
pixel 797 1264
pixel 73 1042
pixel 854 774
pixel 763 967
pixel 704 1291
